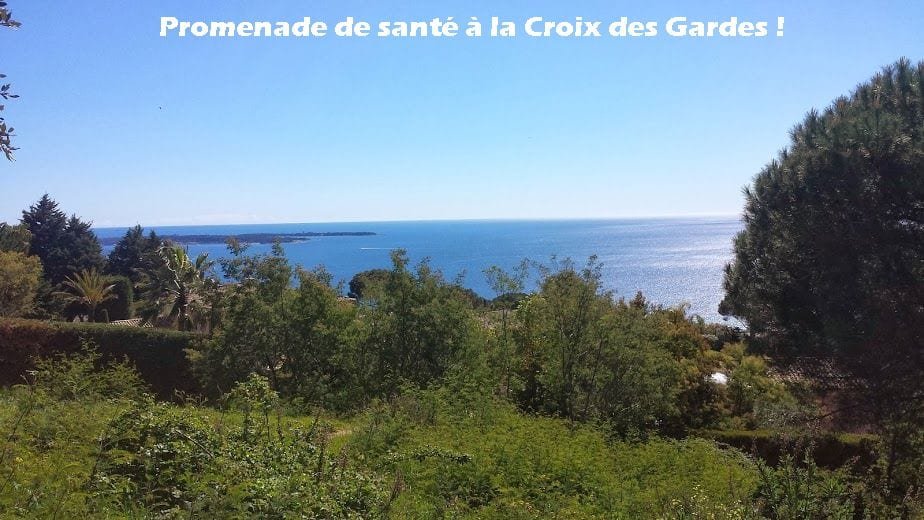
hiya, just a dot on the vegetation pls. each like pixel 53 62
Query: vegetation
pixel 828 270
pixel 64 245
pixel 122 304
pixel 6 132
pixel 417 398
pixel 175 288
pixel 88 289
pixel 159 355
pixel 134 254
pixel 15 238
pixel 84 440
pixel 20 276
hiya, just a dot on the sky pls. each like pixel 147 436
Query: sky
pixel 124 127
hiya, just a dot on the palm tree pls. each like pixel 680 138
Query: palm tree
pixel 175 286
pixel 89 289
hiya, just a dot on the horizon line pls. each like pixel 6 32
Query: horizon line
pixel 425 220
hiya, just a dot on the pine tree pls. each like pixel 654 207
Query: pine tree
pixel 134 254
pixel 64 245
pixel 829 269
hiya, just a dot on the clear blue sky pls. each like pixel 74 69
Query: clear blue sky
pixel 267 130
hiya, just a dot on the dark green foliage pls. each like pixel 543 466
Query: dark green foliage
pixel 180 292
pixel 797 490
pixel 470 296
pixel 507 300
pixel 159 355
pixel 829 270
pixel 831 262
pixel 365 285
pixel 47 224
pixel 319 349
pixel 829 450
pixel 85 292
pixel 85 251
pixel 6 145
pixel 122 305
pixel 64 245
pixel 134 254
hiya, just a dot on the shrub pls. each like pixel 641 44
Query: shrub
pixel 84 376
pixel 159 355
pixel 452 463
pixel 829 450
pixel 796 491
pixel 172 461
pixel 583 355
pixel 121 307
pixel 51 429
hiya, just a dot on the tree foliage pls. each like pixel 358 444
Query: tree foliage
pixel 89 289
pixel 6 132
pixel 122 305
pixel 585 356
pixel 14 238
pixel 419 327
pixel 178 289
pixel 302 338
pixel 64 245
pixel 830 264
pixel 19 281
pixel 135 254
pixel 321 349
pixel 367 283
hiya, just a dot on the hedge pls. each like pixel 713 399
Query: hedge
pixel 158 354
pixel 829 450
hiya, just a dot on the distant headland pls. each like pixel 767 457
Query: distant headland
pixel 250 238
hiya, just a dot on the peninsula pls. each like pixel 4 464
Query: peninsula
pixel 249 238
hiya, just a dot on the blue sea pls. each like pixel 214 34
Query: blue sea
pixel 671 260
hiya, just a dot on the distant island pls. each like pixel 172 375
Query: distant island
pixel 250 238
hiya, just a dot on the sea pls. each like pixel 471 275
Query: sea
pixel 672 261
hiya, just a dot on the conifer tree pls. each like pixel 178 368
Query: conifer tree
pixel 829 269
pixel 64 245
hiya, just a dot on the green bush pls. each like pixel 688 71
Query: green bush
pixel 103 450
pixel 797 490
pixel 453 463
pixel 121 307
pixel 85 376
pixel 173 461
pixel 51 430
pixel 159 355
pixel 829 450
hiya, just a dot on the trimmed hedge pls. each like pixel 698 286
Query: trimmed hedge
pixel 830 450
pixel 158 354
